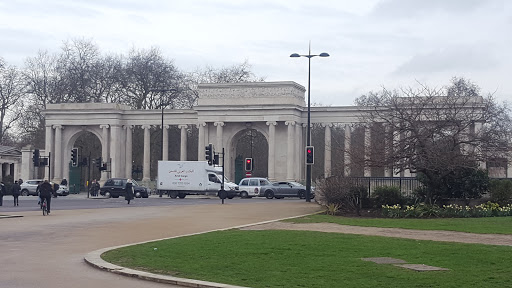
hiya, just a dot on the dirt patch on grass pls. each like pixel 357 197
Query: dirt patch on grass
pixel 434 235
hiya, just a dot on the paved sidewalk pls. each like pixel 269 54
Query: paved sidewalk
pixel 68 235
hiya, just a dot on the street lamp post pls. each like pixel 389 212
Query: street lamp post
pixel 162 106
pixel 308 130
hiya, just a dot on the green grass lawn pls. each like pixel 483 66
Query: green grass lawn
pixel 317 259
pixel 485 225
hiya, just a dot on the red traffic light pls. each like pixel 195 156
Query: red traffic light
pixel 310 158
pixel 248 164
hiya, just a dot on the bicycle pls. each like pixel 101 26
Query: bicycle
pixel 44 208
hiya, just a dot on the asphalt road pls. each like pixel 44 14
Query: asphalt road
pixel 47 251
pixel 80 201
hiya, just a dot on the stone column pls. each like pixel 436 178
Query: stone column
pixel 388 147
pixel 346 154
pixel 183 150
pixel 367 151
pixel 146 174
pixel 298 150
pixel 128 156
pixel 396 143
pixel 201 143
pixel 57 169
pixel 290 161
pixel 165 150
pixel 104 150
pixel 115 151
pixel 271 149
pixel 405 135
pixel 481 164
pixel 49 145
pixel 328 149
pixel 218 146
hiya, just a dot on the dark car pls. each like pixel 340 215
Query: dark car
pixel 115 187
pixel 288 189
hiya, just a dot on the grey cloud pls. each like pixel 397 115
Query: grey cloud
pixel 457 58
pixel 414 8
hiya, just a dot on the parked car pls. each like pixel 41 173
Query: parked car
pixel 255 186
pixel 289 189
pixel 115 187
pixel 29 187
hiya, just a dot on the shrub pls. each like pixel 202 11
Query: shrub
pixel 501 191
pixel 387 195
pixel 340 192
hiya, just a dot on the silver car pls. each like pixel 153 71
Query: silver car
pixel 29 187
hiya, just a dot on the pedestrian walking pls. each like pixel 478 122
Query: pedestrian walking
pixel 2 193
pixel 128 191
pixel 16 192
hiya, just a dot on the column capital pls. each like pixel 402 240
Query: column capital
pixel 58 127
pixel 201 124
pixel 145 126
pixel 104 126
pixel 128 127
pixel 183 126
pixel 292 123
pixel 327 125
pixel 165 126
pixel 219 124
pixel 271 123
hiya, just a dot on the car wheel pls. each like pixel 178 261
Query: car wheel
pixel 244 194
pixel 302 194
pixel 107 194
pixel 24 192
pixel 269 194
pixel 173 195
pixel 182 195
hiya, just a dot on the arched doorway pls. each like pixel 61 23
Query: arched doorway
pixel 89 149
pixel 250 143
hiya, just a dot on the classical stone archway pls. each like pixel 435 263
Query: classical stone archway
pixel 277 110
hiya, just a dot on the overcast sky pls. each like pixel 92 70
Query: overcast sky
pixel 372 43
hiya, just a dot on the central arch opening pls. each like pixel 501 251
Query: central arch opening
pixel 251 144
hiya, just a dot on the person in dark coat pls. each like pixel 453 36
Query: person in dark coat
pixel 16 192
pixel 45 192
pixel 129 191
pixel 64 182
pixel 2 193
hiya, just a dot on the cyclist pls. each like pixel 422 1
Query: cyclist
pixel 45 192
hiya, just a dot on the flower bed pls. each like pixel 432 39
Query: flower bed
pixel 488 209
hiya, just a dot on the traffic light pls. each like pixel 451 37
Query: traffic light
pixel 74 157
pixel 310 155
pixel 209 154
pixel 35 157
pixel 248 164
pixel 98 162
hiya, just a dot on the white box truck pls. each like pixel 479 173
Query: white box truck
pixel 182 178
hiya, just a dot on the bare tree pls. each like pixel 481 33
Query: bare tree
pixel 11 94
pixel 435 131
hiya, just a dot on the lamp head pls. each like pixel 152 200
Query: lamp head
pixel 295 55
pixel 324 54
